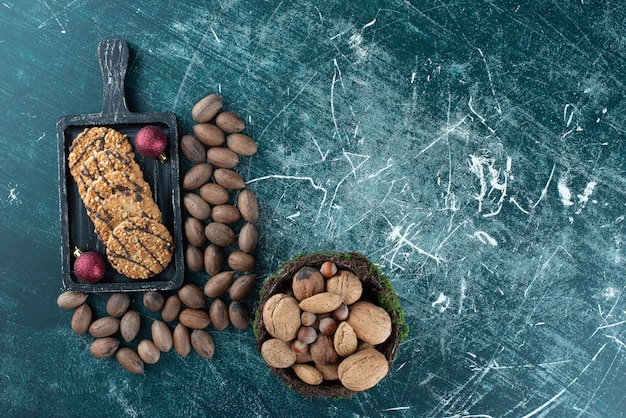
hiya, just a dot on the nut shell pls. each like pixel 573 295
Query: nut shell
pixel 153 300
pixel 281 316
pixel 363 370
pixel 71 300
pixel 181 340
pixel 371 323
pixel 230 122
pixel 197 176
pixel 202 343
pixel 220 234
pixel 308 374
pixel 222 157
pixel 196 206
pixel 229 179
pixel 242 286
pixel 214 193
pixel 194 232
pixel 148 352
pixel 130 325
pixel 218 284
pixel 248 238
pixel 104 327
pixel 226 214
pixel 162 336
pixel 129 360
pixel 218 312
pixel 192 296
pixel 81 319
pixel 194 318
pixel 209 134
pixel 213 259
pixel 346 284
pixel 239 315
pixel 206 108
pixel 345 340
pixel 321 302
pixel 104 347
pixel 192 149
pixel 118 304
pixel 171 308
pixel 240 261
pixel 248 205
pixel 277 353
pixel 241 144
pixel 307 282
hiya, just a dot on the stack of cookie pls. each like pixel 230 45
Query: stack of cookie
pixel 119 202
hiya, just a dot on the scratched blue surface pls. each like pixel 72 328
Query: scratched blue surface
pixel 474 150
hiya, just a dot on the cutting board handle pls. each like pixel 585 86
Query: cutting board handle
pixel 113 58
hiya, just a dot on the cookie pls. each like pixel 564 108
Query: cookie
pixel 93 140
pixel 140 248
pixel 116 196
pixel 102 162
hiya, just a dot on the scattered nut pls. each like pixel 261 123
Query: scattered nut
pixel 104 347
pixel 162 336
pixel 171 308
pixel 129 360
pixel 202 343
pixel 239 315
pixel 130 325
pixel 218 284
pixel 194 318
pixel 81 319
pixel 192 296
pixel 71 300
pixel 148 352
pixel 218 313
pixel 153 300
pixel 118 304
pixel 104 327
pixel 181 340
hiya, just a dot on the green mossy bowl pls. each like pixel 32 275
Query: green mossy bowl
pixel 376 289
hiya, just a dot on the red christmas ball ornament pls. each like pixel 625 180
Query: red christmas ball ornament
pixel 151 142
pixel 89 267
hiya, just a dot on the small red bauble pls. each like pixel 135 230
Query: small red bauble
pixel 89 267
pixel 151 142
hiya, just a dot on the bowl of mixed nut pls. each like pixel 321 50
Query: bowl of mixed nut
pixel 329 324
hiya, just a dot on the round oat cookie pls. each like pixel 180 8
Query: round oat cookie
pixel 95 139
pixel 117 196
pixel 102 162
pixel 140 247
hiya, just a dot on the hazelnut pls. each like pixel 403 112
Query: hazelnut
pixel 299 347
pixel 328 326
pixel 328 269
pixel 341 313
pixel 307 318
pixel 307 335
